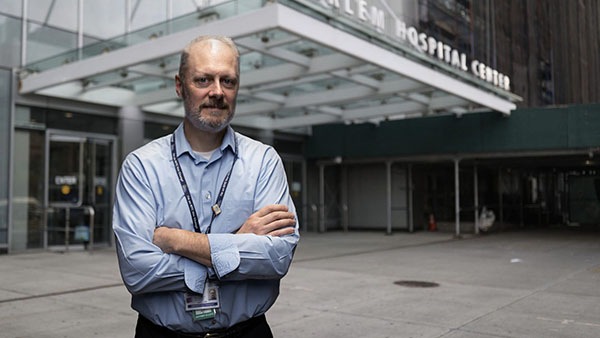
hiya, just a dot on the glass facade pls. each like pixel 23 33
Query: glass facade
pixel 58 28
pixel 28 190
pixel 97 13
pixel 53 27
pixel 10 41
pixel 45 40
pixel 99 39
pixel 63 164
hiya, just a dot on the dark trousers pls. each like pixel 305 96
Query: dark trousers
pixel 253 328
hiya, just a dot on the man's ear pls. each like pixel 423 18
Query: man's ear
pixel 178 86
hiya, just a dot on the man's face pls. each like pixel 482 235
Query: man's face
pixel 210 85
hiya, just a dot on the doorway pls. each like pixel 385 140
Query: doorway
pixel 80 171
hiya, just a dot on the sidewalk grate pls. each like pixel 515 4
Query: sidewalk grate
pixel 416 284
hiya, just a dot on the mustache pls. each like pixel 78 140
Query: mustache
pixel 218 104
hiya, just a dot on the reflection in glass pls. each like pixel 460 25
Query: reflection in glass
pixel 28 191
pixel 64 173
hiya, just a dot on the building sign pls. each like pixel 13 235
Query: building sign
pixel 378 16
pixel 68 180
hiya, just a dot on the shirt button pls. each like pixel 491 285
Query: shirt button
pixel 207 196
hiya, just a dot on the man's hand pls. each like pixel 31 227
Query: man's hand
pixel 274 220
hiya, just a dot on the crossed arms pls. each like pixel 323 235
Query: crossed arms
pixel 271 220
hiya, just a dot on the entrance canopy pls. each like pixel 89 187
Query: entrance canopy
pixel 297 70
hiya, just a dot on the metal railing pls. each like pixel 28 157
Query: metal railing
pixel 82 232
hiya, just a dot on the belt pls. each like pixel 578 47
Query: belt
pixel 236 330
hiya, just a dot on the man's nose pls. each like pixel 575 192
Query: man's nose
pixel 216 89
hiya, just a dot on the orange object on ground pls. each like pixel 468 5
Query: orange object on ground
pixel 432 224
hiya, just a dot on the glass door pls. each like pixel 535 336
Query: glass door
pixel 79 181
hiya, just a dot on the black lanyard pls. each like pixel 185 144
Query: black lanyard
pixel 216 208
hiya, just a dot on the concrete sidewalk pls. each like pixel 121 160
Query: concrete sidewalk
pixel 519 284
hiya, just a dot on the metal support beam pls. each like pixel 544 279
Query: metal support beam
pixel 409 184
pixel 321 198
pixel 457 196
pixel 388 197
pixel 476 198
pixel 344 197
pixel 304 226
pixel 521 203
pixel 24 30
pixel 79 29
pixel 500 193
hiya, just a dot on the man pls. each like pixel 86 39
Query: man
pixel 204 223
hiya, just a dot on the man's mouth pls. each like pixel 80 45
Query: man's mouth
pixel 217 106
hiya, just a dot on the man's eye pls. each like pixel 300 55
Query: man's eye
pixel 201 80
pixel 228 82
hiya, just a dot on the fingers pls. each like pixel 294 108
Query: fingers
pixel 277 215
pixel 280 223
pixel 268 209
pixel 271 219
pixel 277 218
pixel 282 232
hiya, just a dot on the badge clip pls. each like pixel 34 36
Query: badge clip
pixel 216 209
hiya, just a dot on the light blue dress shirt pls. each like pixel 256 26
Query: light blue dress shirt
pixel 248 267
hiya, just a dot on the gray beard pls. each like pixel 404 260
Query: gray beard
pixel 202 124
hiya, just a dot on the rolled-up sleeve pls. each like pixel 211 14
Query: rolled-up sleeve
pixel 249 256
pixel 144 267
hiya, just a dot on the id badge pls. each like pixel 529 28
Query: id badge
pixel 208 300
pixel 204 314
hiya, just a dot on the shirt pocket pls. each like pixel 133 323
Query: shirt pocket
pixel 234 213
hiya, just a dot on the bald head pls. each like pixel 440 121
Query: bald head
pixel 209 42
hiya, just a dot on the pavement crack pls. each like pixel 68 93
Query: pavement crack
pixel 60 293
pixel 369 251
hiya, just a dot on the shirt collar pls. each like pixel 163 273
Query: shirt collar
pixel 183 146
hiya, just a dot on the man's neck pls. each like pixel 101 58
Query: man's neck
pixel 202 141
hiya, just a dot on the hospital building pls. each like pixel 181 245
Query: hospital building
pixel 463 116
